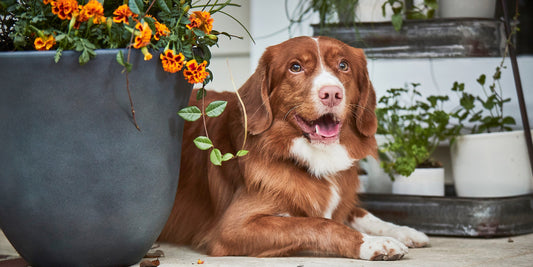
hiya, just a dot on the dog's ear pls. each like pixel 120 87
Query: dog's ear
pixel 255 94
pixel 365 116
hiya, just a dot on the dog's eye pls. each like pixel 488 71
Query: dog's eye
pixel 343 66
pixel 295 67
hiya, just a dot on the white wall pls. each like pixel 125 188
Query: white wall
pixel 234 53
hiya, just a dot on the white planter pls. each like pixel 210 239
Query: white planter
pixel 467 9
pixel 491 165
pixel 363 183
pixel 423 181
pixel 370 11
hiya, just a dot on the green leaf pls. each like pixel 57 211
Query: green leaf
pixel 397 21
pixel 198 32
pixel 163 5
pixel 191 113
pixel 60 37
pixel 200 94
pixel 120 58
pixel 84 57
pixel 242 153
pixel 227 157
pixel 58 54
pixel 203 143
pixel 509 120
pixel 481 79
pixel 136 6
pixel 216 157
pixel 215 108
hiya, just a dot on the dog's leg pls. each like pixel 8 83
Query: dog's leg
pixel 363 221
pixel 267 236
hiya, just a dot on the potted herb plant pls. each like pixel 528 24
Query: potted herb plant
pixel 413 127
pixel 91 140
pixel 491 160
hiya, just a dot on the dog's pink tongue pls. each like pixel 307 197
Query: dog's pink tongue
pixel 327 128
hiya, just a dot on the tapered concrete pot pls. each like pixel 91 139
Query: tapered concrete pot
pixel 79 184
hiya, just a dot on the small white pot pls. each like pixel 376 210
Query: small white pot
pixel 423 181
pixel 491 165
pixel 467 9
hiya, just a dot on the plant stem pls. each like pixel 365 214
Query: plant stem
pixel 203 114
pixel 128 84
pixel 131 101
pixel 242 105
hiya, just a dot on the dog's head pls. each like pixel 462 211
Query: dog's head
pixel 314 92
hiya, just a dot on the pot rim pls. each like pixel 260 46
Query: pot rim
pixel 487 135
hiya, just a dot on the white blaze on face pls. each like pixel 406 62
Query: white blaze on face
pixel 323 79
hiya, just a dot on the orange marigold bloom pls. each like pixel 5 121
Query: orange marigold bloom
pixel 195 73
pixel 122 13
pixel 44 43
pixel 65 9
pixel 143 36
pixel 46 2
pixel 171 62
pixel 161 30
pixel 94 10
pixel 201 20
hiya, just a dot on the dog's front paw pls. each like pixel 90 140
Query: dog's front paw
pixel 380 248
pixel 410 237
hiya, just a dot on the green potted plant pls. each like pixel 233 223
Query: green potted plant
pixel 413 127
pixel 490 158
pixel 91 140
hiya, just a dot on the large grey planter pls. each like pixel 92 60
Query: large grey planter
pixel 79 185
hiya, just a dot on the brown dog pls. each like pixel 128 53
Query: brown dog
pixel 310 107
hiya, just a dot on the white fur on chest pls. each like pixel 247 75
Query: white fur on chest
pixel 334 201
pixel 321 160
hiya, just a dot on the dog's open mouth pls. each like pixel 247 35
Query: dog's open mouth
pixel 325 129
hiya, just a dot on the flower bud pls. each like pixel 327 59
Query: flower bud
pixel 72 22
pixel 109 23
pixel 212 37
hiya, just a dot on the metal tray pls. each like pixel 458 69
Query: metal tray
pixel 455 216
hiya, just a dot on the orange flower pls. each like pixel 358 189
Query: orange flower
pixel 143 36
pixel 161 30
pixel 44 43
pixel 171 62
pixel 195 73
pixel 94 10
pixel 65 9
pixel 122 13
pixel 201 20
pixel 46 2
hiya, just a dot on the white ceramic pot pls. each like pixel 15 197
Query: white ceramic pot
pixel 491 165
pixel 423 181
pixel 370 11
pixel 467 9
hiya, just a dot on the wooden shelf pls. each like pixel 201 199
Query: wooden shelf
pixel 432 38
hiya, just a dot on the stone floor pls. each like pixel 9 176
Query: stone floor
pixel 444 251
